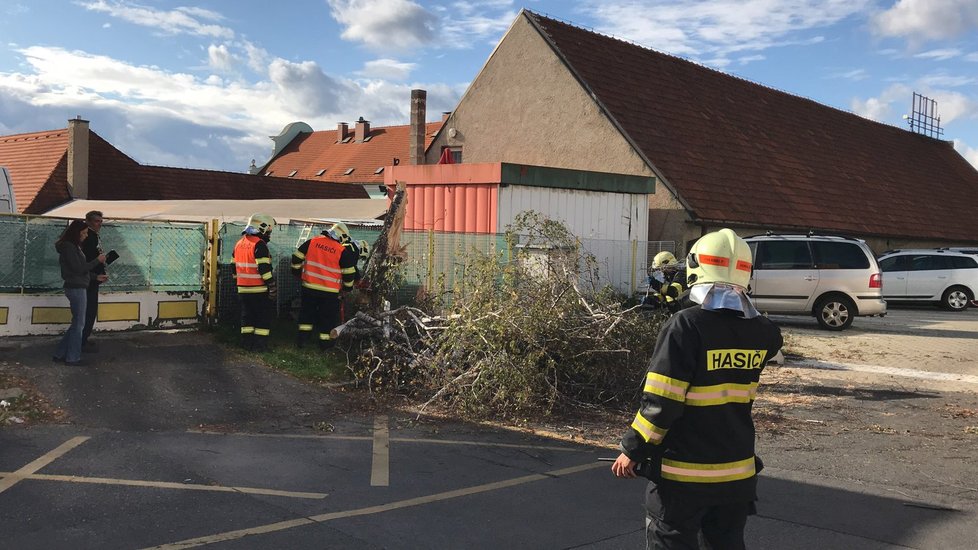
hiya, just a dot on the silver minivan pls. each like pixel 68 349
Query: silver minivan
pixel 832 278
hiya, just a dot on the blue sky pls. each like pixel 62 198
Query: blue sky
pixel 203 84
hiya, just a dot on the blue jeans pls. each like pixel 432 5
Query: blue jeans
pixel 70 346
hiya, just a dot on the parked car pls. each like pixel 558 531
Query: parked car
pixel 943 276
pixel 832 278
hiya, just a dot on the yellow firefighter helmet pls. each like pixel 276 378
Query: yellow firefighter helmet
pixel 263 223
pixel 719 257
pixel 663 259
pixel 340 232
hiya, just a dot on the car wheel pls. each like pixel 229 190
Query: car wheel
pixel 956 298
pixel 835 312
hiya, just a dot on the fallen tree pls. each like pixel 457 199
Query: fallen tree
pixel 525 331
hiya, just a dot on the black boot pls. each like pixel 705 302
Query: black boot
pixel 301 339
pixel 260 344
pixel 248 341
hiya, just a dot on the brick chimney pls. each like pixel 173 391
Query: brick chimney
pixel 341 131
pixel 78 158
pixel 363 129
pixel 419 103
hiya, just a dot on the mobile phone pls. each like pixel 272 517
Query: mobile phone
pixel 111 257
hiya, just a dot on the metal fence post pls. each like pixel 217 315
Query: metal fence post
pixel 633 266
pixel 212 276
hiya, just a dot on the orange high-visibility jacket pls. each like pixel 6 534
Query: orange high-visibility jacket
pixel 252 264
pixel 323 264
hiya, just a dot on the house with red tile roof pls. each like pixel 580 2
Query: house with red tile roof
pixel 727 152
pixel 356 155
pixel 52 167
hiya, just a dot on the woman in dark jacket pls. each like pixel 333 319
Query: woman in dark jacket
pixel 77 273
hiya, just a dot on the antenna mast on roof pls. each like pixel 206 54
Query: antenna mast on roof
pixel 923 117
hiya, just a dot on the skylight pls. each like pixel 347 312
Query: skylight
pixel 321 172
pixel 349 171
pixel 292 173
pixel 379 170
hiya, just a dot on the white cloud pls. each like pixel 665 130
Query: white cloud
pixel 140 108
pixel 973 57
pixel 750 58
pixel 946 81
pixel 921 20
pixel 854 75
pixel 942 54
pixel 384 24
pixel 218 58
pixel 719 28
pixel 180 20
pixel 969 153
pixel 881 108
pixel 387 69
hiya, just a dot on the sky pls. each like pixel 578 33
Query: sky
pixel 204 84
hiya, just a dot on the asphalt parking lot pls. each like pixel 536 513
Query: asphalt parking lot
pixel 172 442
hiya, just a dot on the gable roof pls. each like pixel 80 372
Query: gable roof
pixel 742 154
pixel 309 153
pixel 38 167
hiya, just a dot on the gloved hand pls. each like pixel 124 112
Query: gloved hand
pixel 272 291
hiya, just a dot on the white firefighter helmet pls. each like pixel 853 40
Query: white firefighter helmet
pixel 340 232
pixel 719 257
pixel 263 223
pixel 663 259
pixel 364 247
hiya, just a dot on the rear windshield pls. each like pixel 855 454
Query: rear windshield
pixel 829 255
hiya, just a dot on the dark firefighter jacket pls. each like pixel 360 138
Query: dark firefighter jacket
pixel 695 414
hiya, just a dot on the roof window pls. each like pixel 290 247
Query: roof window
pixel 321 172
pixel 349 171
pixel 347 140
pixel 368 138
pixel 292 173
pixel 269 173
pixel 379 170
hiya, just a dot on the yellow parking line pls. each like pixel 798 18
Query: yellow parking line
pixel 173 485
pixel 380 470
pixel 12 478
pixel 287 436
pixel 447 495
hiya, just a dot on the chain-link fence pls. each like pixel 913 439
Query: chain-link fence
pixel 153 255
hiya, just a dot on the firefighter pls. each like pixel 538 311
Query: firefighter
pixel 257 290
pixel 325 267
pixel 693 435
pixel 667 285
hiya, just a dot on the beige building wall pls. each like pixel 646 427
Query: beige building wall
pixel 526 107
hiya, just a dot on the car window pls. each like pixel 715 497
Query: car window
pixel 830 255
pixel 963 262
pixel 894 263
pixel 783 255
pixel 929 262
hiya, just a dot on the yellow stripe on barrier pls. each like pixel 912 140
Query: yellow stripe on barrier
pixel 118 311
pixel 3 315
pixel 182 309
pixel 41 315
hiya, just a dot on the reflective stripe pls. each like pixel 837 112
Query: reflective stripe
pixel 266 276
pixel 649 431
pixel 249 276
pixel 721 394
pixel 670 388
pixel 708 473
pixel 348 284
pixel 320 287
pixel 348 270
pixel 323 277
pixel 263 261
pixel 299 255
pixel 262 332
pixel 247 330
pixel 324 336
pixel 326 267
pixel 305 328
pixel 246 266
pixel 296 266
pixel 252 289
pixel 242 264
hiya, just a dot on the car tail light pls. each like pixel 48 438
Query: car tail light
pixel 875 281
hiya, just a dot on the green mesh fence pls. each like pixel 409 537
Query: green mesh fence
pixel 162 256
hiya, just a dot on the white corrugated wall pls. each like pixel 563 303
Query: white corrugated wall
pixel 607 224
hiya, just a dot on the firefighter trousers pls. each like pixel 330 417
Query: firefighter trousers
pixel 256 318
pixel 319 314
pixel 676 522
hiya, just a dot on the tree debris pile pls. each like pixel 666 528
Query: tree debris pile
pixel 525 332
